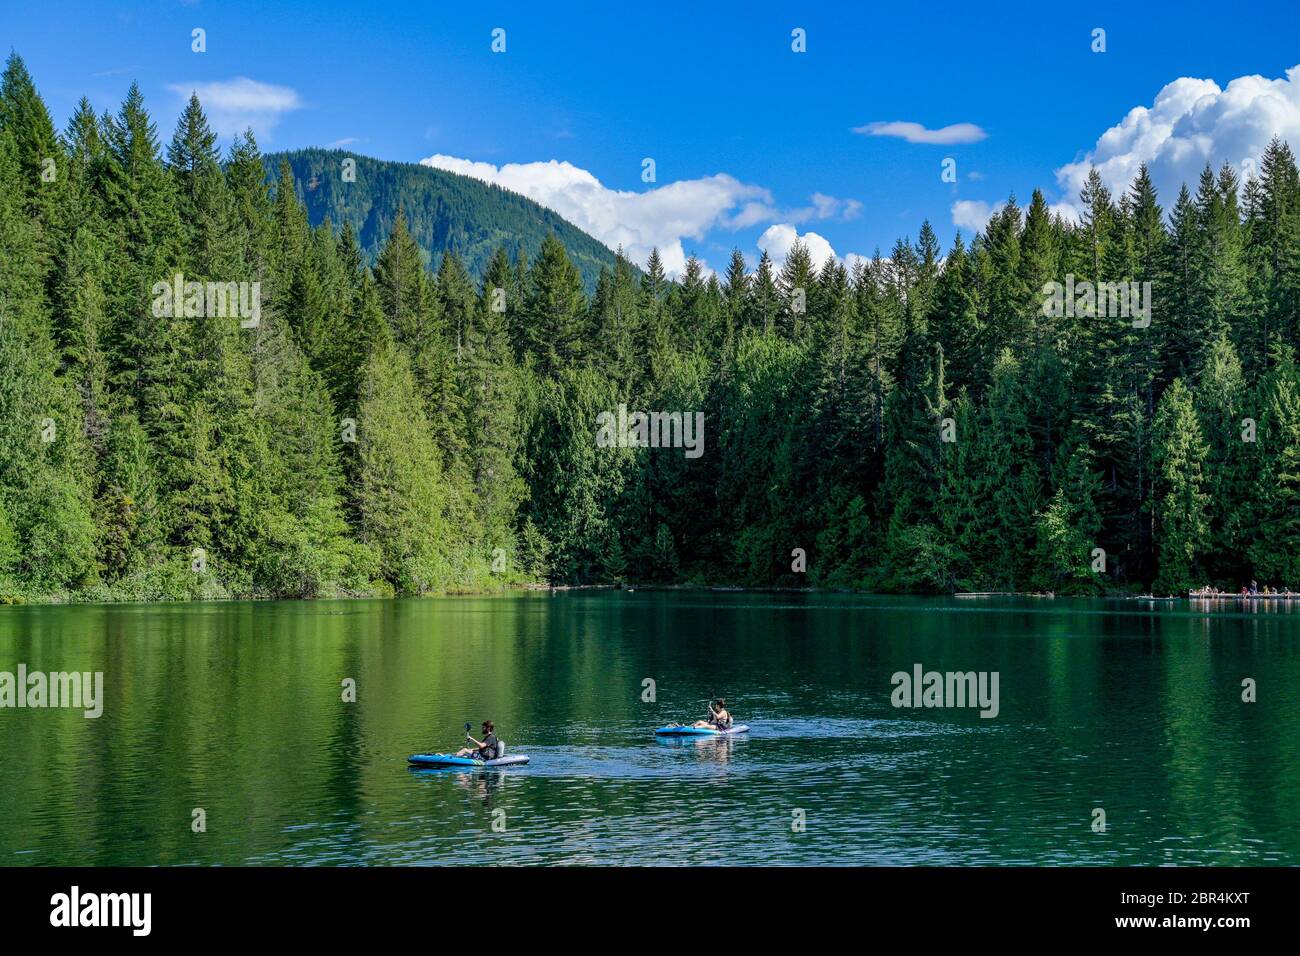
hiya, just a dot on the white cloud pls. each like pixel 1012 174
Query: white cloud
pixel 916 133
pixel 234 105
pixel 660 217
pixel 853 260
pixel 340 143
pixel 973 214
pixel 821 206
pixel 1066 210
pixel 778 240
pixel 752 213
pixel 1191 122
pixel 826 207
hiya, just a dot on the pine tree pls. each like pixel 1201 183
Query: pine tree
pixel 201 198
pixel 1012 482
pixel 954 322
pixel 400 492
pixel 143 344
pixel 908 489
pixel 736 292
pixel 454 291
pixel 795 283
pixel 614 561
pixel 1274 253
pixel 554 312
pixel 43 458
pixel 1275 550
pixel 764 300
pixel 1008 305
pixel 615 323
pixel 250 205
pixel 1217 290
pixel 491 380
pixel 42 163
pixel 1067 531
pixel 1230 466
pixel 1183 327
pixel 1179 500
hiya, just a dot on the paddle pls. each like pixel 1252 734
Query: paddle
pixel 467 730
pixel 709 706
pixel 477 755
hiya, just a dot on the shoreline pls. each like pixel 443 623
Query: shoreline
pixel 73 600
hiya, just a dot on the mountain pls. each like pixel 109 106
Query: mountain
pixel 443 210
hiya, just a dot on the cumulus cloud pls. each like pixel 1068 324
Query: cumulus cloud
pixel 752 213
pixel 234 105
pixel 973 214
pixel 1191 122
pixel 1066 210
pixel 852 261
pixel 820 207
pixel 916 133
pixel 637 221
pixel 661 217
pixel 778 240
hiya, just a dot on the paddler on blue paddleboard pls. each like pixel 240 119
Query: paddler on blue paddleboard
pixel 485 749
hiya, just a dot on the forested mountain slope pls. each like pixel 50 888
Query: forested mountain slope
pixel 443 210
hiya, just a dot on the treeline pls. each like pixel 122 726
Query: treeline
pixel 913 423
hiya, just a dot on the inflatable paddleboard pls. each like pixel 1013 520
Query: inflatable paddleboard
pixel 450 760
pixel 701 731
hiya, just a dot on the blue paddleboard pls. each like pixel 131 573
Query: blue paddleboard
pixel 701 731
pixel 451 760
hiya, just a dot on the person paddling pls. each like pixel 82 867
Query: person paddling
pixel 719 716
pixel 485 749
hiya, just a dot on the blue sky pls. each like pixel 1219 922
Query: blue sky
pixel 752 142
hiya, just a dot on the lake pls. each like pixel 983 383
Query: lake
pixel 237 710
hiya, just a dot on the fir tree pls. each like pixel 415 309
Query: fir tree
pixel 1179 500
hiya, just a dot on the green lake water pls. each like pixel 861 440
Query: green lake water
pixel 236 708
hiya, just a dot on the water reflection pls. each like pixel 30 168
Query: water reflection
pixel 1135 707
pixel 482 784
